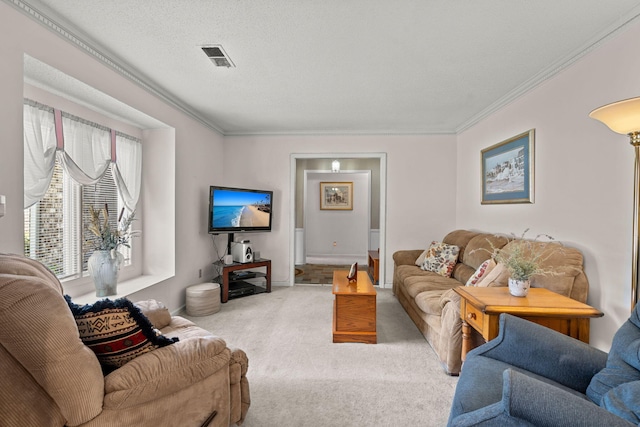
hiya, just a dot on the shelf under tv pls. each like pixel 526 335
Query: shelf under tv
pixel 241 288
pixel 233 288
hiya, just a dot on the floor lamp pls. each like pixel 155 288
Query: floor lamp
pixel 624 117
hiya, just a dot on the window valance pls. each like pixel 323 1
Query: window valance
pixel 85 150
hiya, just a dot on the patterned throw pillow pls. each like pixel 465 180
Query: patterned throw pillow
pixel 484 269
pixel 441 258
pixel 116 331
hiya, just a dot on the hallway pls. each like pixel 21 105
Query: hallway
pixel 320 274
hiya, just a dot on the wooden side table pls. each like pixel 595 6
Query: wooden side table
pixel 480 310
pixel 354 309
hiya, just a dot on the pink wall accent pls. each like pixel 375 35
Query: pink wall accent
pixel 113 145
pixel 420 186
pixel 184 182
pixel 583 176
pixel 57 115
pixel 584 172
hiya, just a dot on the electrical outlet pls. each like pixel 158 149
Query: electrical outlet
pixel 200 274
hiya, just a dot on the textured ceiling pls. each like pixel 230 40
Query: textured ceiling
pixel 341 66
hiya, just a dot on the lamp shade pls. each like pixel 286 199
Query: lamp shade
pixel 621 117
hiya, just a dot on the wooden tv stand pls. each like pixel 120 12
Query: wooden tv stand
pixel 227 269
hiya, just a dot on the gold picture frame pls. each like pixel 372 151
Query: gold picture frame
pixel 336 196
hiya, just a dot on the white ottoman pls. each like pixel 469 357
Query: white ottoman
pixel 203 299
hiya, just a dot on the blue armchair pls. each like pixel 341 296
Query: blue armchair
pixel 533 376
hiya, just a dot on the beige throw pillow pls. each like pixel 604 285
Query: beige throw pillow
pixel 484 269
pixel 491 277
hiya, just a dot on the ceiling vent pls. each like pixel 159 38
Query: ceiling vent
pixel 218 56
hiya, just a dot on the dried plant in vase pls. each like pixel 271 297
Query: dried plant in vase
pixel 106 238
pixel 104 263
pixel 524 259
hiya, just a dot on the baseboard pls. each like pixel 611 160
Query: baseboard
pixel 279 284
pixel 336 259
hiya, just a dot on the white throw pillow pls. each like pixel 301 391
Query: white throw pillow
pixel 484 269
pixel 491 276
pixel 421 258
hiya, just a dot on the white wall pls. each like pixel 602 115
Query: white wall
pixel 583 173
pixel 374 244
pixel 584 177
pixel 420 189
pixel 337 236
pixel 195 157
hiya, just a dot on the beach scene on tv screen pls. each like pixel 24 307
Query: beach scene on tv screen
pixel 240 209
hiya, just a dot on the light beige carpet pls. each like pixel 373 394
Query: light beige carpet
pixel 298 377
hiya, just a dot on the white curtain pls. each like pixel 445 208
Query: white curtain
pixel 127 170
pixel 87 150
pixel 84 152
pixel 39 151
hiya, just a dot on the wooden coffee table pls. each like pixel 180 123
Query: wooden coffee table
pixel 354 309
pixel 480 310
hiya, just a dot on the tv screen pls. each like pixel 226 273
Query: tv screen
pixel 234 210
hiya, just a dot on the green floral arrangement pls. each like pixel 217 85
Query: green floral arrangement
pixel 107 238
pixel 524 257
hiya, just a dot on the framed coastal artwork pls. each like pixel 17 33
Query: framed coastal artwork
pixel 508 170
pixel 336 196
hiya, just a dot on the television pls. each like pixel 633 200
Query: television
pixel 239 210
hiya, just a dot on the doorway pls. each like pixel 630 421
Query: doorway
pixel 340 236
pixel 350 162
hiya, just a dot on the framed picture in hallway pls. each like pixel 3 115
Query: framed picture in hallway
pixel 336 196
pixel 508 170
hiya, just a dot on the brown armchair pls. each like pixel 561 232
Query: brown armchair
pixel 50 378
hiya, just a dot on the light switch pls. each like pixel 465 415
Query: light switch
pixel 2 205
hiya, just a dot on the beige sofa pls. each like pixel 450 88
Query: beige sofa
pixel 50 378
pixel 434 307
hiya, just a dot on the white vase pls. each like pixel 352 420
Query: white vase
pixel 519 288
pixel 103 268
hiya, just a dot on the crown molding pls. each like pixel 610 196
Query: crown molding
pixel 552 70
pixel 116 65
pixel 389 132
pixel 516 93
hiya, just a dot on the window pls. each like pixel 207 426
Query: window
pixel 44 225
pixel 63 179
pixel 56 228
